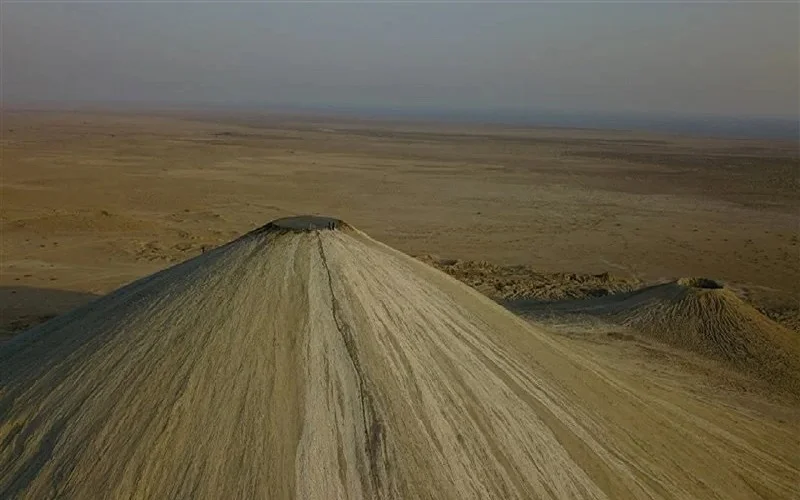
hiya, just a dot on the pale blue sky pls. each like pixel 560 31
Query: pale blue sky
pixel 734 59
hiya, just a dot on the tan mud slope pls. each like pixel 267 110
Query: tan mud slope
pixel 306 360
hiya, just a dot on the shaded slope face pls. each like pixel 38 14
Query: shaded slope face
pixel 701 315
pixel 309 361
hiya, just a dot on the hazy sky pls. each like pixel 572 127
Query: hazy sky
pixel 675 57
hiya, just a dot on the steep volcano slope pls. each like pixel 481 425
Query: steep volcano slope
pixel 305 360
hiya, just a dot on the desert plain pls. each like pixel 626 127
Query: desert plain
pixel 92 200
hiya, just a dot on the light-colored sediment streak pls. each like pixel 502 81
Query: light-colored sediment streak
pixel 322 364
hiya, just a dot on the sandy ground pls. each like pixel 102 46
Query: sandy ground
pixel 93 201
pixel 327 365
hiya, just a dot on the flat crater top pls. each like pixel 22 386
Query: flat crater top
pixel 307 223
pixel 706 283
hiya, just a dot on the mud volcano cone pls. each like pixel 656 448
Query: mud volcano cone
pixel 701 315
pixel 306 360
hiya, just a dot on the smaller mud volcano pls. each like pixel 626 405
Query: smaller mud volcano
pixel 700 315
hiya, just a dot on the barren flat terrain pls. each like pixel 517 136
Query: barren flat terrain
pixel 94 200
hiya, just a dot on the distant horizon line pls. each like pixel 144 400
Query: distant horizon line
pixel 414 108
pixel 755 126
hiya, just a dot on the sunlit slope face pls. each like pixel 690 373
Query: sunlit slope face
pixel 306 360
